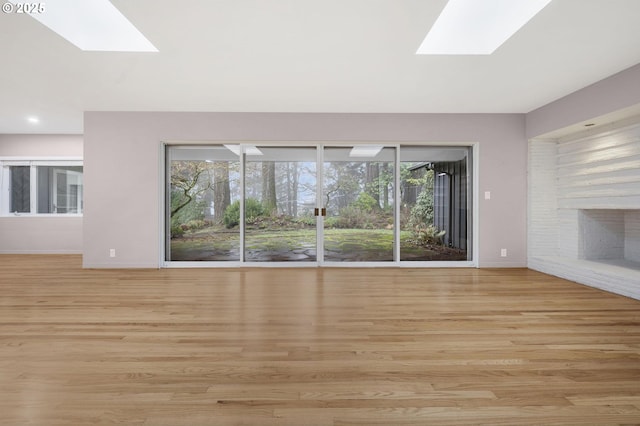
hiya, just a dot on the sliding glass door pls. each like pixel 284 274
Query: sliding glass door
pixel 279 204
pixel 435 203
pixel 317 205
pixel 359 197
pixel 202 204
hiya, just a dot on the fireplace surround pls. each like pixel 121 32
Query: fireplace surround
pixel 610 236
pixel 584 207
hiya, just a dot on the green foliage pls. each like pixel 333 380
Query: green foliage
pixel 192 211
pixel 407 177
pixel 192 225
pixel 252 210
pixel 179 229
pixel 422 211
pixel 232 215
pixel 176 231
pixel 331 222
pixel 352 217
pixel 366 203
pixel 427 235
pixel 306 220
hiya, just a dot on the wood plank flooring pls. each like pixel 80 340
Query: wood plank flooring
pixel 311 347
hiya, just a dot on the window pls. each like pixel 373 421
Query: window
pixel 41 187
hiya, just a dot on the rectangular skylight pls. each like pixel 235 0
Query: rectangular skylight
pixel 477 27
pixel 92 25
pixel 366 151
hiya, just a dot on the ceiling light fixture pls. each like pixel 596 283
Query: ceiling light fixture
pixel 92 25
pixel 477 27
pixel 368 151
pixel 33 120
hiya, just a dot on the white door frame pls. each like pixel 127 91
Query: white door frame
pixel 319 262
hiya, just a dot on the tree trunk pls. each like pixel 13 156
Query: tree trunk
pixel 221 190
pixel 289 190
pixel 269 200
pixel 294 190
pixel 385 189
pixel 373 181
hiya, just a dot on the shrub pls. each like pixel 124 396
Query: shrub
pixel 366 203
pixel 176 231
pixel 331 222
pixel 352 217
pixel 349 217
pixel 422 211
pixel 306 220
pixel 195 224
pixel 252 208
pixel 427 235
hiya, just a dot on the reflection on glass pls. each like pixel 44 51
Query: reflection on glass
pixel 59 189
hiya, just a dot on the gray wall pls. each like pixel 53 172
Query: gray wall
pixel 41 234
pixel 615 93
pixel 122 170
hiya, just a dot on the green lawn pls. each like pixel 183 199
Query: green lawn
pixel 299 244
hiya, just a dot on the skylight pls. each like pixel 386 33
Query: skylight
pixel 477 27
pixel 92 25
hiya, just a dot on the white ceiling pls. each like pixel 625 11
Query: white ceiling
pixel 305 56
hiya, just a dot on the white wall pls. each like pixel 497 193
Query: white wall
pixel 600 171
pixel 543 206
pixel 122 170
pixel 584 204
pixel 588 172
pixel 41 234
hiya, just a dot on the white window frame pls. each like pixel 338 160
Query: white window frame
pixel 33 163
pixel 77 178
pixel 473 221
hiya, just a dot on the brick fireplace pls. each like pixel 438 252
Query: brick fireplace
pixel 584 208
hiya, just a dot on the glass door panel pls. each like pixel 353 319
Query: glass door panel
pixel 247 203
pixel 280 202
pixel 435 215
pixel 204 194
pixel 358 195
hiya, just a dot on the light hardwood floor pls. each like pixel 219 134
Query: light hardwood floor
pixel 311 347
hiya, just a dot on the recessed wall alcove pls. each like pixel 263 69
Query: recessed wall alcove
pixel 584 207
pixel 610 236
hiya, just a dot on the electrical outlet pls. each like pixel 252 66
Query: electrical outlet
pixel 112 252
pixel 503 252
pixel 487 195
